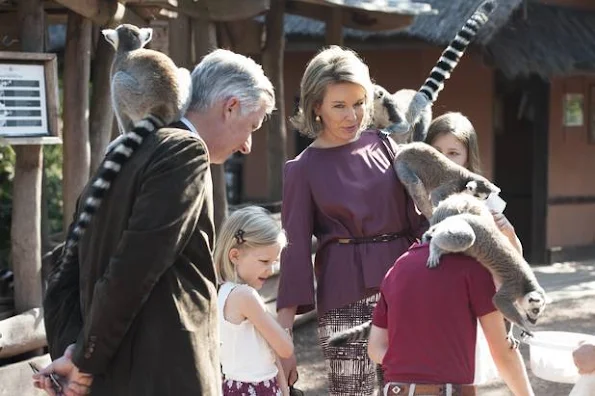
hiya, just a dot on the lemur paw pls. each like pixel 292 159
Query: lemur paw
pixel 513 342
pixel 433 261
pixel 526 333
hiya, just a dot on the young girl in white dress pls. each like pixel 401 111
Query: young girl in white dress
pixel 248 248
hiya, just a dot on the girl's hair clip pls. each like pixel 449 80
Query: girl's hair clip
pixel 239 235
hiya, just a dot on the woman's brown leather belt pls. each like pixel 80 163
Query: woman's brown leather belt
pixel 404 389
pixel 391 236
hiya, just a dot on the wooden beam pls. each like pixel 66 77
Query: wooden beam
pixel 352 17
pixel 101 113
pixel 22 333
pixel 245 36
pixel 26 200
pixel 272 62
pixel 105 13
pixel 333 33
pixel 10 33
pixel 167 4
pixel 77 70
pixel 223 10
pixel 180 41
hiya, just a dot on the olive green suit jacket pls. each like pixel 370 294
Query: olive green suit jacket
pixel 146 318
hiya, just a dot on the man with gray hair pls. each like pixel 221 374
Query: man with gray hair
pixel 142 317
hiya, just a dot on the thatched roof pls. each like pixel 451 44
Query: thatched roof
pixel 551 41
pixel 439 28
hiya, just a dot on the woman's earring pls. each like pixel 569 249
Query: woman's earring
pixel 317 119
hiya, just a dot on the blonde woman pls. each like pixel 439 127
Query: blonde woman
pixel 342 189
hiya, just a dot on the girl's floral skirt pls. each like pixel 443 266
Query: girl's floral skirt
pixel 263 388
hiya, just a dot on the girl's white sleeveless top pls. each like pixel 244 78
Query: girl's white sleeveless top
pixel 245 355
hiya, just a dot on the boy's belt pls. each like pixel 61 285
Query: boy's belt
pixel 405 389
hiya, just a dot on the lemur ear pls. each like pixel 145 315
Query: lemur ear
pixel 145 35
pixel 111 36
pixel 471 186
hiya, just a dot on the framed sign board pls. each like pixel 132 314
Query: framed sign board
pixel 28 98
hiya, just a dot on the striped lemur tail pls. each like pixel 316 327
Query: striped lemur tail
pixel 353 334
pixel 456 48
pixel 408 113
pixel 432 86
pixel 105 176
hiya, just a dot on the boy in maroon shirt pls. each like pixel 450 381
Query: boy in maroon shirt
pixel 424 327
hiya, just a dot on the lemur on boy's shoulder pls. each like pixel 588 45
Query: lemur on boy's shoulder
pixel 463 223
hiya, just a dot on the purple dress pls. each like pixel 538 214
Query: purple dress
pixel 345 191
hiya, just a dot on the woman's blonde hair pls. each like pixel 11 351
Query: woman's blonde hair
pixel 248 227
pixel 332 65
pixel 461 128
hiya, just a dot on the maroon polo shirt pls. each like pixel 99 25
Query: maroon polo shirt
pixel 431 315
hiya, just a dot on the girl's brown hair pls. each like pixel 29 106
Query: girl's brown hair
pixel 460 127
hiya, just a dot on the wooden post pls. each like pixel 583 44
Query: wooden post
pixel 77 70
pixel 26 203
pixel 334 27
pixel 272 61
pixel 205 40
pixel 180 41
pixel 102 114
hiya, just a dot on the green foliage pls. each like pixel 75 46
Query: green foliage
pixel 53 173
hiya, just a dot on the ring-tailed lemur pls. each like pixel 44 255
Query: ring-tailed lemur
pixel 165 96
pixel 462 223
pixel 406 115
pixel 143 79
pixel 429 177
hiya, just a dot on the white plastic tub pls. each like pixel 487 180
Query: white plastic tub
pixel 551 354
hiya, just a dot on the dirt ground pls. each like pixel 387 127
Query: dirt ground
pixel 570 285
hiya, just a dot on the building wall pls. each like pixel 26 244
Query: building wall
pixel 470 91
pixel 571 168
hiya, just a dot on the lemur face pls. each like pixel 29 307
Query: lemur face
pixel 128 37
pixel 533 304
pixel 481 189
pixel 381 114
